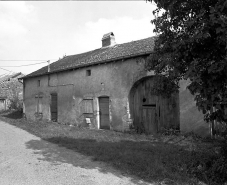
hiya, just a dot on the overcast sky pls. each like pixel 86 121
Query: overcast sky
pixel 48 30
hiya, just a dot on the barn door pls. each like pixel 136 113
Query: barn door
pixel 104 113
pixel 144 107
pixel 54 107
pixel 152 112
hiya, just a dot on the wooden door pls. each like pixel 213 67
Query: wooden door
pixel 152 112
pixel 54 107
pixel 104 113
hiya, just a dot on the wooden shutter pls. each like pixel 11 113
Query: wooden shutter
pixel 88 106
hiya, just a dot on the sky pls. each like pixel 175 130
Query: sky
pixel 37 31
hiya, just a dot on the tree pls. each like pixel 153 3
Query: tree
pixel 13 94
pixel 192 44
pixel 12 90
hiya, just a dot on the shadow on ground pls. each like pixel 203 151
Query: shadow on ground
pixel 138 160
pixel 13 114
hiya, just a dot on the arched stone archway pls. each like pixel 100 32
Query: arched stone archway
pixel 152 112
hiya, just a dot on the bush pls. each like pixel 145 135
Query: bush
pixel 15 104
pixel 209 167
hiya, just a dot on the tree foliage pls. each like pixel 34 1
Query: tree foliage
pixel 192 44
pixel 13 94
pixel 12 90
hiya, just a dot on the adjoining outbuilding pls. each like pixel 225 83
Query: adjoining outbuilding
pixel 107 88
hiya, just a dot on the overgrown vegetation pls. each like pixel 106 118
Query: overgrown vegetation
pixel 12 90
pixel 168 159
pixel 191 45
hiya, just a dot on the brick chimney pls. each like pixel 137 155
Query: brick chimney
pixel 108 39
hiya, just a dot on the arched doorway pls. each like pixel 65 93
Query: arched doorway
pixel 152 112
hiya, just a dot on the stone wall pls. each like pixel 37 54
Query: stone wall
pixel 73 87
pixel 191 119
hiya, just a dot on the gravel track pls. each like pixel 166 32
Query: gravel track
pixel 28 160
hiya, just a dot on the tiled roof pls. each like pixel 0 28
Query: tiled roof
pixel 101 55
pixel 10 76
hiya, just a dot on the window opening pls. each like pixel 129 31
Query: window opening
pixel 88 72
pixel 38 83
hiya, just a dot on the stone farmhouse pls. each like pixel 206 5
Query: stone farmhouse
pixel 106 88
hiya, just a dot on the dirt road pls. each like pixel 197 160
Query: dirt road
pixel 27 160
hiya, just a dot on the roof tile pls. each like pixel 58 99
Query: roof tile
pixel 105 54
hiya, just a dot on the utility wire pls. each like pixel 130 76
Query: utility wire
pixel 4 74
pixel 6 70
pixel 27 60
pixel 25 65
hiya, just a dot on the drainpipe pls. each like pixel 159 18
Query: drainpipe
pixel 48 70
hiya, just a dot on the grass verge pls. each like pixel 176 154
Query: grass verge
pixel 159 160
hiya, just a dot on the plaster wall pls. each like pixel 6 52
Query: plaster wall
pixel 191 119
pixel 113 79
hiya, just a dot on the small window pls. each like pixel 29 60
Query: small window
pixel 38 83
pixel 88 72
